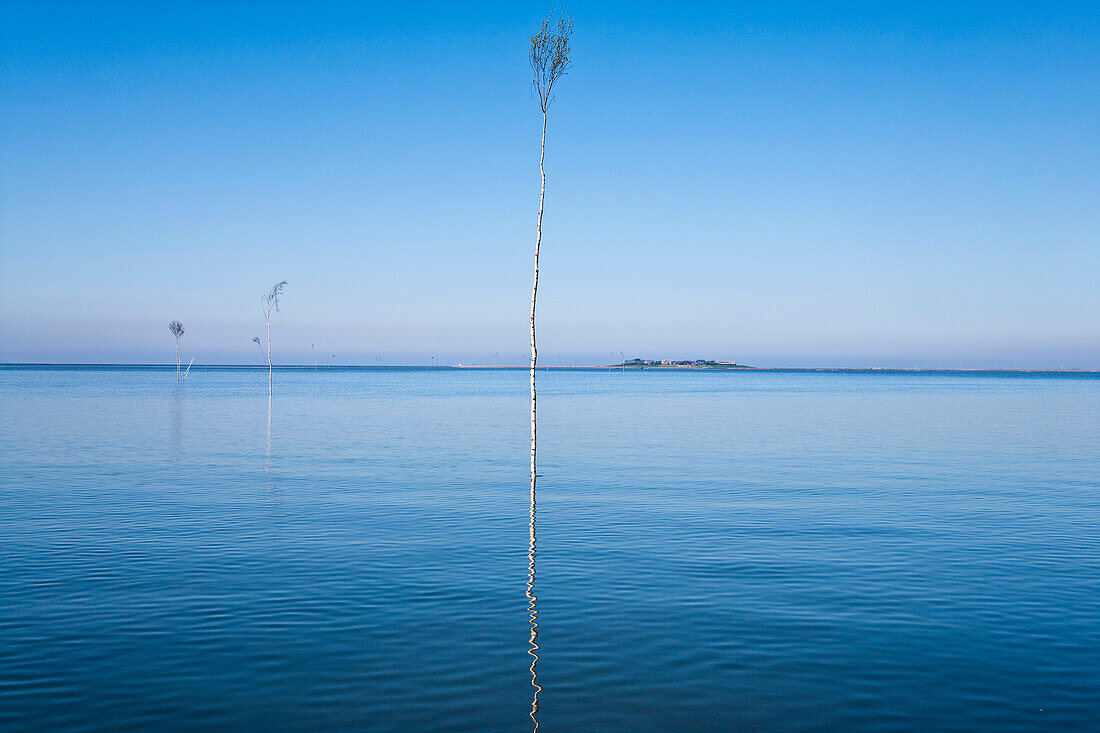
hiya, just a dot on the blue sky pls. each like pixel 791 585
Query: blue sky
pixel 795 184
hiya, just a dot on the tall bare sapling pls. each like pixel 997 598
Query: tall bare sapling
pixel 550 59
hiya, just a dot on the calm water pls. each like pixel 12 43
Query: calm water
pixel 715 551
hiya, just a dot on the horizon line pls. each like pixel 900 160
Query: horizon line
pixel 527 367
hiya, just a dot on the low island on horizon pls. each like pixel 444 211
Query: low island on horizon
pixel 683 364
pixel 631 364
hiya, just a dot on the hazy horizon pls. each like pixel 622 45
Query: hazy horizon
pixel 780 185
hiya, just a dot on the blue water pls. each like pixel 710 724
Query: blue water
pixel 715 551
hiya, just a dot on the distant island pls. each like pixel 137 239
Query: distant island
pixel 671 364
pixel 631 364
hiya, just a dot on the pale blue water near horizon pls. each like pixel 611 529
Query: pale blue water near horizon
pixel 716 550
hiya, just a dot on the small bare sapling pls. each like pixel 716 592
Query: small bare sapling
pixel 269 301
pixel 176 329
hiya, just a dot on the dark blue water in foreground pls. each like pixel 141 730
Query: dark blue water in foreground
pixel 715 551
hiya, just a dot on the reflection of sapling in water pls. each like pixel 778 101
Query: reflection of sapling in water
pixel 533 611
pixel 176 329
pixel 550 59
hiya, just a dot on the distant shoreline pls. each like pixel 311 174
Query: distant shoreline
pixel 621 368
pixel 490 367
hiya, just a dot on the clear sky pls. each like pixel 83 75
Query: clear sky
pixel 788 184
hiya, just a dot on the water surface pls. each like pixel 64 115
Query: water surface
pixel 715 550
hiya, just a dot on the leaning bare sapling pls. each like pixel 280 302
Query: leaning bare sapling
pixel 188 370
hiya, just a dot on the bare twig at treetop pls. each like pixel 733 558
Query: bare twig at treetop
pixel 268 301
pixel 176 328
pixel 550 59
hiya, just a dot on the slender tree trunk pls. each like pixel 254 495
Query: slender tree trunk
pixel 534 295
pixel 177 359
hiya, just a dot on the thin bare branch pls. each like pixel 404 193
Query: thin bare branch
pixel 271 299
pixel 550 56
